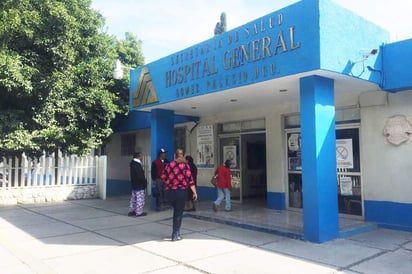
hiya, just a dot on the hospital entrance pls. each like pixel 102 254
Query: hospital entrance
pixel 244 144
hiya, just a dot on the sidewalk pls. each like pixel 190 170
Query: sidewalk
pixel 96 236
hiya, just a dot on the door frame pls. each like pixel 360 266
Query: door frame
pixel 238 171
pixel 340 173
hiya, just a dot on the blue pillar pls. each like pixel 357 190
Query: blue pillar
pixel 320 205
pixel 162 136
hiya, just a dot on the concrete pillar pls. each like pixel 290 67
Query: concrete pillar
pixel 162 136
pixel 320 204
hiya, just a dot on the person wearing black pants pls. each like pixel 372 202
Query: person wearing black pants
pixel 190 204
pixel 178 178
pixel 177 198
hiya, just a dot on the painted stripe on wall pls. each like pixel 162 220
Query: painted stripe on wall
pixel 205 193
pixel 117 187
pixel 389 214
pixel 276 200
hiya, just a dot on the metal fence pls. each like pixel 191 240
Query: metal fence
pixel 20 172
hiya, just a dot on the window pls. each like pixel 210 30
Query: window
pixel 242 126
pixel 128 144
pixel 180 138
pixel 342 116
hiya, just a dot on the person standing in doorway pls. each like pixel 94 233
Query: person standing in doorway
pixel 159 185
pixel 138 184
pixel 190 203
pixel 178 178
pixel 224 186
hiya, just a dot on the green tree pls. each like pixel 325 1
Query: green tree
pixel 56 85
pixel 129 52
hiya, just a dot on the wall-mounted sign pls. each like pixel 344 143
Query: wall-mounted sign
pixel 344 153
pixel 205 145
pixel 345 186
pixel 257 51
pixel 229 153
pixel 295 163
pixel 294 142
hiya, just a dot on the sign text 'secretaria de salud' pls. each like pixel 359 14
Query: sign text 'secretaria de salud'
pixel 241 56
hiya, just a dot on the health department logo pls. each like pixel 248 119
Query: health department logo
pixel 145 92
pixel 398 129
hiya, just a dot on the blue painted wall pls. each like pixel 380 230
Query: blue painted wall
pixel 122 187
pixel 140 120
pixel 282 43
pixel 206 193
pixel 397 62
pixel 344 37
pixel 162 135
pixel 276 200
pixel 389 214
pixel 117 187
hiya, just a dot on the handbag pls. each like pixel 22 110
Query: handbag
pixel 213 181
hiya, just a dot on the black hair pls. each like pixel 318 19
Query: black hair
pixel 227 163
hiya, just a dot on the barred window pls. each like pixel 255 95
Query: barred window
pixel 180 138
pixel 128 144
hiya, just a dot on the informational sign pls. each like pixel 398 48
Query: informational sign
pixel 344 153
pixel 294 142
pixel 235 179
pixel 345 186
pixel 294 151
pixel 295 163
pixel 205 145
pixel 229 153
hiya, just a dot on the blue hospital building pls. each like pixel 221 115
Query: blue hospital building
pixel 311 103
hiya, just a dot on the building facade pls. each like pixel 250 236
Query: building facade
pixel 312 104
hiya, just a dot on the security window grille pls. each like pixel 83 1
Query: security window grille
pixel 128 144
pixel 180 138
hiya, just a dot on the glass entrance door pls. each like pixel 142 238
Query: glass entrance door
pixel 230 150
pixel 349 171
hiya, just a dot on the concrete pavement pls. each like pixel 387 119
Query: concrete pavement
pixel 96 236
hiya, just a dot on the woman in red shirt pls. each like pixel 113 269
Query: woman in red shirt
pixel 224 186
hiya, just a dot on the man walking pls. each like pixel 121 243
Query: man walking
pixel 158 166
pixel 138 184
pixel 224 186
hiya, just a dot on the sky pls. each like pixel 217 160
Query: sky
pixel 168 26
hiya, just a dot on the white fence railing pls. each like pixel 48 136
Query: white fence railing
pixel 18 172
pixel 26 180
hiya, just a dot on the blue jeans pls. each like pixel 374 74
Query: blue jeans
pixel 223 193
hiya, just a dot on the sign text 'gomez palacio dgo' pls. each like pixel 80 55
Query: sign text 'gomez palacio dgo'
pixel 242 56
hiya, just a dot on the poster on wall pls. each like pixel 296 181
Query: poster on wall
pixel 295 163
pixel 205 156
pixel 229 153
pixel 294 142
pixel 294 151
pixel 345 186
pixel 344 153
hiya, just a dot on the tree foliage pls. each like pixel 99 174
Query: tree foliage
pixel 56 85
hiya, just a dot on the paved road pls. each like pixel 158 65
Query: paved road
pixel 95 236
